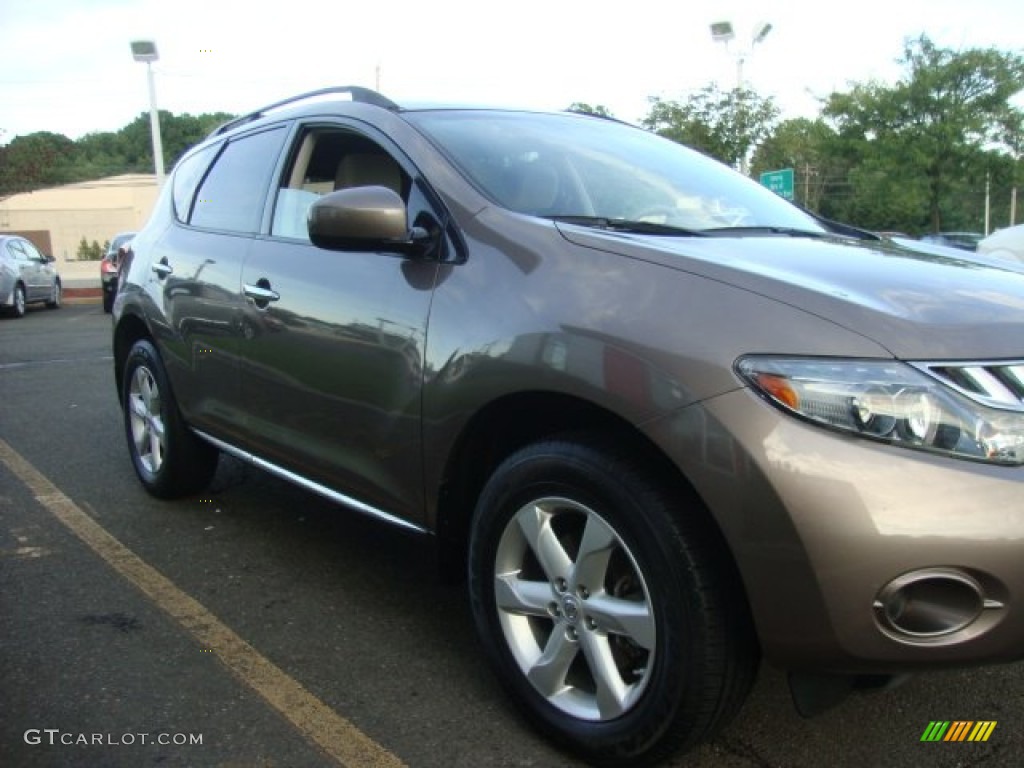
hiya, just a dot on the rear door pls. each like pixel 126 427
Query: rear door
pixel 218 197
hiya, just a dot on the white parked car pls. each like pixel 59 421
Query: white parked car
pixel 1005 244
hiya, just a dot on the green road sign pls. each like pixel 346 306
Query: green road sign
pixel 779 182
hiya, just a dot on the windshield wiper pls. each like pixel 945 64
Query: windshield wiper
pixel 628 225
pixel 762 230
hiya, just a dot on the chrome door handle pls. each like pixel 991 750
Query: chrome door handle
pixel 162 268
pixel 261 292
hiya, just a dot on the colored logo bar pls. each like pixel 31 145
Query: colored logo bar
pixel 958 730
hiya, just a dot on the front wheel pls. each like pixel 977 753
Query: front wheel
pixel 605 604
pixel 169 460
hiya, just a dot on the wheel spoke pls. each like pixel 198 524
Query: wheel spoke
pixel 548 674
pixel 138 407
pixel 535 523
pixel 612 691
pixel 630 618
pixel 140 435
pixel 595 549
pixel 156 450
pixel 147 390
pixel 526 598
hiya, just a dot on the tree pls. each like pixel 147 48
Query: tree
pixel 916 147
pixel 36 160
pixel 585 109
pixel 805 146
pixel 46 159
pixel 727 125
pixel 178 133
pixel 91 251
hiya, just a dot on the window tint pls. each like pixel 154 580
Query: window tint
pixel 186 177
pixel 231 196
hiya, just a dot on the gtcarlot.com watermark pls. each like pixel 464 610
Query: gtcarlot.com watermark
pixel 56 737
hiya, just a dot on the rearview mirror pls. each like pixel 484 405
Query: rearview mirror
pixel 362 219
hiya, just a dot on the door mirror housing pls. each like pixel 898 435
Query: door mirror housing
pixel 364 219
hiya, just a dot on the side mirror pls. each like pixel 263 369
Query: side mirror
pixel 364 219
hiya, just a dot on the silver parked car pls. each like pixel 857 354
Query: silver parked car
pixel 1006 244
pixel 26 276
pixel 663 421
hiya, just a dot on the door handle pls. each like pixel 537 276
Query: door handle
pixel 261 292
pixel 162 268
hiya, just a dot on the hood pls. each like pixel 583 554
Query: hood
pixel 919 306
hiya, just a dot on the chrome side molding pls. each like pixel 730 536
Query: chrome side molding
pixel 309 485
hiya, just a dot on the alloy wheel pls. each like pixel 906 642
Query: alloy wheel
pixel 574 609
pixel 146 419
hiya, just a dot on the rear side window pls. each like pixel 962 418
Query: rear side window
pixel 17 250
pixel 12 249
pixel 232 194
pixel 186 178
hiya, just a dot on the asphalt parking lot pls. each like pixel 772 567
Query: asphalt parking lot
pixel 283 631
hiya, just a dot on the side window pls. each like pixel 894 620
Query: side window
pixel 231 196
pixel 186 178
pixel 30 252
pixel 324 160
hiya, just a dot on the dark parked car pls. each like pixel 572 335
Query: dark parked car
pixel 110 264
pixel 26 276
pixel 665 421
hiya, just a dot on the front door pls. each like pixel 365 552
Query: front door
pixel 333 342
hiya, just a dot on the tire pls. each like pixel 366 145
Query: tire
pixel 55 297
pixel 169 460
pixel 18 305
pixel 108 301
pixel 604 604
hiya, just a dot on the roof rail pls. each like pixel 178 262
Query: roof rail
pixel 358 93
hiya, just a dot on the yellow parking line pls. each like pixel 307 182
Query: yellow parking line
pixel 334 734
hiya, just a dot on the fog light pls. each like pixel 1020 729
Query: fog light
pixel 927 604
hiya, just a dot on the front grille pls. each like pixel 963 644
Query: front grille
pixel 995 384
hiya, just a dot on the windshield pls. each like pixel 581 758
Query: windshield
pixel 574 167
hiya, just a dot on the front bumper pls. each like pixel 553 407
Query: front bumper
pixel 858 557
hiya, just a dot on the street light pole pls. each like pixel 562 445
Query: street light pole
pixel 722 32
pixel 145 50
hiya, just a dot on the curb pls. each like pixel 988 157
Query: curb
pixel 81 295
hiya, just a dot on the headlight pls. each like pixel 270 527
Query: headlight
pixel 889 402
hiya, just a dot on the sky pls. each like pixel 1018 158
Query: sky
pixel 66 65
